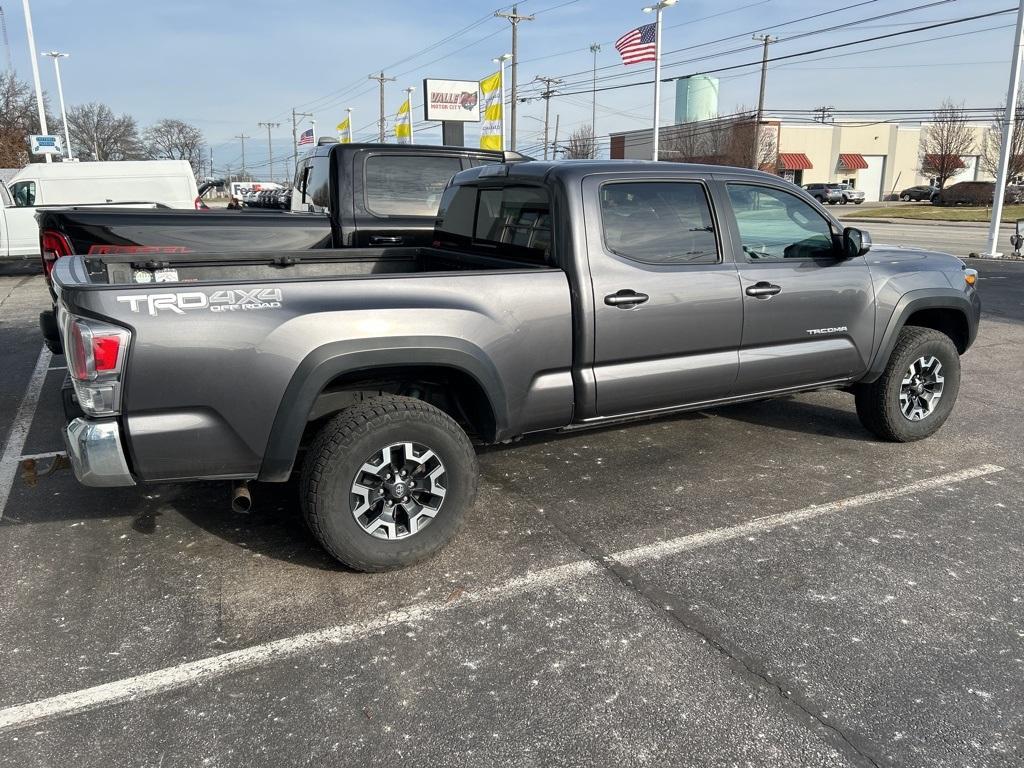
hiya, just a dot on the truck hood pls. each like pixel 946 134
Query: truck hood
pixel 892 260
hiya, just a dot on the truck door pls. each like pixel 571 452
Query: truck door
pixel 808 311
pixel 667 303
pixel 22 231
pixel 396 196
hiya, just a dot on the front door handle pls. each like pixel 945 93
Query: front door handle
pixel 763 290
pixel 625 299
pixel 382 240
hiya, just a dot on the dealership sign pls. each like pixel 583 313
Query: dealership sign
pixel 451 100
pixel 45 145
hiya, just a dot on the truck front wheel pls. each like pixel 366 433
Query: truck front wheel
pixel 387 483
pixel 915 394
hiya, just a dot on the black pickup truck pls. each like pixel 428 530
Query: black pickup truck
pixel 554 296
pixel 345 195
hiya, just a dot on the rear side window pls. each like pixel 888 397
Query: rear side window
pixel 407 185
pixel 659 222
pixel 516 221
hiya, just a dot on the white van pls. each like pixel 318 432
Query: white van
pixel 166 182
pixel 137 183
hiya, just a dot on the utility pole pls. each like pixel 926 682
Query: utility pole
pixel 595 48
pixel 270 148
pixel 546 95
pixel 824 114
pixel 381 80
pixel 243 137
pixel 295 138
pixel 1007 148
pixel 514 18
pixel 554 144
pixel 6 40
pixel 766 40
pixel 35 71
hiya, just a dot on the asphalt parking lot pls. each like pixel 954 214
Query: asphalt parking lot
pixel 760 585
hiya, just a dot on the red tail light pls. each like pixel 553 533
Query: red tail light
pixel 53 246
pixel 200 205
pixel 95 348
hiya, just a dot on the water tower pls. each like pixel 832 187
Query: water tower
pixel 696 98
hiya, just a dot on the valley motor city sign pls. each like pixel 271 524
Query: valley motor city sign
pixel 451 100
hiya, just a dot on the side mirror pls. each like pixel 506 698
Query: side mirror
pixel 856 242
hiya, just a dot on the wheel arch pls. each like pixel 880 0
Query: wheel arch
pixel 476 388
pixel 945 310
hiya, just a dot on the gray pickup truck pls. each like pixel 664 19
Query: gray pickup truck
pixel 554 297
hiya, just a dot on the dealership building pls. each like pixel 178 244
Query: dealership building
pixel 880 159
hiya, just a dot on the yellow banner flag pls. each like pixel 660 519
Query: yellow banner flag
pixel 345 131
pixel 403 125
pixel 492 128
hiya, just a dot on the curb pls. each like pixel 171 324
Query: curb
pixel 921 222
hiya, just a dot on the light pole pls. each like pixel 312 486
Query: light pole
pixel 656 9
pixel 595 48
pixel 57 56
pixel 500 61
pixel 35 71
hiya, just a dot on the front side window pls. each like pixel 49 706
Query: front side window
pixel 658 222
pixel 776 225
pixel 24 194
pixel 407 185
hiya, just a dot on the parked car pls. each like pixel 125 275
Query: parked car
pixel 919 193
pixel 966 193
pixel 850 195
pixel 830 193
pixel 168 182
pixel 554 297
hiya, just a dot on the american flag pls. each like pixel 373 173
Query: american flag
pixel 306 137
pixel 637 45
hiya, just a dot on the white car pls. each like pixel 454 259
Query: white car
pixel 851 195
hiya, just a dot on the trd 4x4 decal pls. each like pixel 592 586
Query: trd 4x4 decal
pixel 232 300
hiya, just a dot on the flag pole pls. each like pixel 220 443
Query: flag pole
pixel 349 111
pixel 408 115
pixel 657 8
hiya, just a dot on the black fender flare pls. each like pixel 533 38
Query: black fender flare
pixel 329 361
pixel 914 301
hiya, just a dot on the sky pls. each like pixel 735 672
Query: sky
pixel 226 65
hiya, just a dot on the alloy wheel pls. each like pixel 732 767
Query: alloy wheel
pixel 398 490
pixel 921 388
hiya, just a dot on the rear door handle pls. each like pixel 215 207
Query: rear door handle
pixel 382 240
pixel 763 290
pixel 625 299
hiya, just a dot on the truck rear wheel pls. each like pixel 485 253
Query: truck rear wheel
pixel 387 483
pixel 915 394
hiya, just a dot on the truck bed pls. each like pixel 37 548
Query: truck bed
pixel 257 266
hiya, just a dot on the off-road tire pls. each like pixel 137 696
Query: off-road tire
pixel 340 449
pixel 878 403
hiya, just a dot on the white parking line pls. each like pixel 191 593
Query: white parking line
pixel 19 430
pixel 170 678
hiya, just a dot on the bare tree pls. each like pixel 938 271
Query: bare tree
pixel 172 139
pixel 993 142
pixel 944 141
pixel 19 118
pixel 98 133
pixel 582 144
pixel 730 140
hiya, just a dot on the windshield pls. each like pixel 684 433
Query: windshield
pixel 5 196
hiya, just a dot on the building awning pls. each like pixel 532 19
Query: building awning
pixel 852 162
pixel 946 162
pixel 794 161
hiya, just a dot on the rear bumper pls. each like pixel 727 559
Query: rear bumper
pixel 96 454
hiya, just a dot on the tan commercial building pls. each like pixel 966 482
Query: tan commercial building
pixel 880 159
